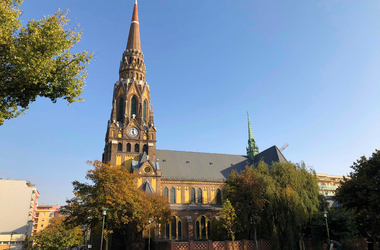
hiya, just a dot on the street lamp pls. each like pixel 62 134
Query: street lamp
pixel 12 233
pixel 254 222
pixel 327 225
pixel 104 215
pixel 150 221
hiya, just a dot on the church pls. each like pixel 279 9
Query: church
pixel 192 182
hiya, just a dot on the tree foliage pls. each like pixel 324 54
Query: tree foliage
pixel 36 60
pixel 341 223
pixel 292 192
pixel 58 235
pixel 115 188
pixel 362 193
pixel 229 218
pixel 245 191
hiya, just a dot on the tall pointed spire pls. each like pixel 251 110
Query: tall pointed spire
pixel 132 65
pixel 250 134
pixel 252 149
pixel 134 32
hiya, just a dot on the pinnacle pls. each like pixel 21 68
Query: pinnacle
pixel 134 31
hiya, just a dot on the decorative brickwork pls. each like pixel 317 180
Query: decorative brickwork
pixel 200 245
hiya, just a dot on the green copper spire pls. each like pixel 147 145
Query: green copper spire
pixel 252 149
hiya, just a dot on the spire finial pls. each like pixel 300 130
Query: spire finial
pixel 135 1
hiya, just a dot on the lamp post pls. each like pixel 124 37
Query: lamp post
pixel 327 225
pixel 104 215
pixel 150 221
pixel 12 233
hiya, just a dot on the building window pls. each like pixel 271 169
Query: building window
pixel 120 114
pixel 42 225
pixel 192 195
pixel 166 193
pixel 119 147
pixel 133 106
pixel 145 148
pixel 128 147
pixel 144 111
pixel 43 220
pixel 137 149
pixel 172 195
pixel 173 230
pixel 218 197
pixel 199 195
pixel 203 226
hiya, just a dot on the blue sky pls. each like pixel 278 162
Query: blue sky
pixel 306 71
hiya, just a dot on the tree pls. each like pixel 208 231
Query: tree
pixel 58 235
pixel 341 222
pixel 229 217
pixel 362 193
pixel 115 188
pixel 292 192
pixel 245 191
pixel 36 60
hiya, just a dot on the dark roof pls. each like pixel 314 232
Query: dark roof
pixel 147 187
pixel 269 155
pixel 180 165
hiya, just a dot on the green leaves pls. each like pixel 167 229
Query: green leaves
pixel 246 193
pixel 36 60
pixel 115 188
pixel 362 192
pixel 59 235
pixel 229 218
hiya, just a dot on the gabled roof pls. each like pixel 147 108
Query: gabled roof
pixel 144 158
pixel 269 155
pixel 147 187
pixel 180 165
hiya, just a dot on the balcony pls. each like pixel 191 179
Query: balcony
pixel 327 187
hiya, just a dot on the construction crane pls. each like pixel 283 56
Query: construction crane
pixel 284 147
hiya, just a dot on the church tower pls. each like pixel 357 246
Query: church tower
pixel 252 149
pixel 131 134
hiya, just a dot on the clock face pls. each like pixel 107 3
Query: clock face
pixel 133 132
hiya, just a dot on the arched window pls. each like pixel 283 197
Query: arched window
pixel 167 231
pixel 173 229
pixel 197 229
pixel 120 114
pixel 192 195
pixel 145 148
pixel 119 147
pixel 218 197
pixel 137 149
pixel 172 195
pixel 179 230
pixel 208 228
pixel 203 226
pixel 128 147
pixel 166 193
pixel 133 106
pixel 199 195
pixel 144 111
